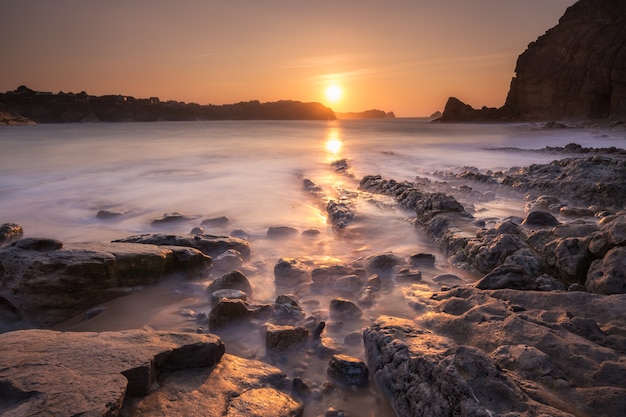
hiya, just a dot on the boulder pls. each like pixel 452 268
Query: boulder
pixel 48 281
pixel 348 370
pixel 9 233
pixel 228 261
pixel 608 275
pixel 234 280
pixel 280 338
pixel 45 372
pixel 276 232
pixel 291 272
pixel 342 309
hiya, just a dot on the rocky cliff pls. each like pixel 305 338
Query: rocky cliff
pixel 576 70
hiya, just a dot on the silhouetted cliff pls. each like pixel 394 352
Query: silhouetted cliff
pixel 43 107
pixel 576 70
pixel 367 114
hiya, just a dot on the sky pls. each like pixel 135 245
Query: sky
pixel 405 56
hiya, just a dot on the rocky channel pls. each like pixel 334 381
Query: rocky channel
pixel 541 331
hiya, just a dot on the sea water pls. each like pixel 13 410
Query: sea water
pixel 54 179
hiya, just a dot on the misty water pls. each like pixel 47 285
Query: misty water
pixel 55 178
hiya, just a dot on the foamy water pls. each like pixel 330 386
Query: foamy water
pixel 55 178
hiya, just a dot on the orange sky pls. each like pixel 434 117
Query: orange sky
pixel 404 56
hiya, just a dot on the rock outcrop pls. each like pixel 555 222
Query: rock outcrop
pixel 45 281
pixel 136 372
pixel 503 352
pixel 576 70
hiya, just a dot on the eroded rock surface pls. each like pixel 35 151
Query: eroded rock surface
pixel 47 281
pixel 504 352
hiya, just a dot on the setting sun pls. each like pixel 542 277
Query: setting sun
pixel 333 93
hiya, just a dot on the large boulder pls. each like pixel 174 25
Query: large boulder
pixel 43 372
pixel 114 373
pixel 47 281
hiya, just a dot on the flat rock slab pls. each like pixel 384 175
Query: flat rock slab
pixel 235 387
pixel 49 373
pixel 46 281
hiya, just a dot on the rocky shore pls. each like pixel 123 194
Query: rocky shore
pixel 541 331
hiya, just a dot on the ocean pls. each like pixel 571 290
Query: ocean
pixel 54 179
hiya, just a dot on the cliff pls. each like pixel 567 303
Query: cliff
pixel 44 107
pixel 575 71
pixel 367 114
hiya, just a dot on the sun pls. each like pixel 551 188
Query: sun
pixel 333 93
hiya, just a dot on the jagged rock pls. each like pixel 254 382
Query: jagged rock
pixel 540 218
pixel 287 309
pixel 290 272
pixel 344 309
pixel 234 280
pixel 348 370
pixel 232 311
pixel 9 233
pixel 208 244
pixel 608 275
pixel 280 338
pixel 426 374
pixel 48 281
pixel 61 373
pixel 341 212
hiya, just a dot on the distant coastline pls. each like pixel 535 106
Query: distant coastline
pixel 26 106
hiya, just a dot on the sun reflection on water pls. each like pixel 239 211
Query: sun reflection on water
pixel 333 143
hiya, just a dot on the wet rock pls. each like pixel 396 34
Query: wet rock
pixel 542 203
pixel 344 309
pixel 540 218
pixel 347 285
pixel 353 339
pixel 328 274
pixel 348 370
pixel 425 374
pixel 608 275
pixel 240 234
pixel 234 280
pixel 575 212
pixel 532 363
pixel 9 233
pixel 174 217
pixel 216 221
pixel 276 232
pixel 48 281
pixel 64 373
pixel 409 274
pixel 291 272
pixel 208 244
pixel 367 296
pixel 423 260
pixel 227 261
pixel 231 311
pixel 197 231
pixel 341 213
pixel 109 214
pixel 287 309
pixel 300 388
pixel 229 293
pixel 311 233
pixel 280 338
pixel 384 264
pixel 448 279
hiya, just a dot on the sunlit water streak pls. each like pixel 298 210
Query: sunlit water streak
pixel 55 178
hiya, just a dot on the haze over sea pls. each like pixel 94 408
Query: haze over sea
pixel 55 178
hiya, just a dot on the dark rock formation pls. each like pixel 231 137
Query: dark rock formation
pixel 576 70
pixel 504 352
pixel 9 233
pixel 115 373
pixel 208 244
pixel 23 104
pixel 367 114
pixel 47 281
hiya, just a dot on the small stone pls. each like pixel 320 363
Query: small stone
pixel 234 280
pixel 171 218
pixel 300 388
pixel 109 214
pixel 230 294
pixel 197 231
pixel 540 218
pixel 227 311
pixel 216 221
pixel 423 260
pixel 348 370
pixel 349 284
pixel 409 274
pixel 311 233
pixel 281 231
pixel 344 309
pixel 284 337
